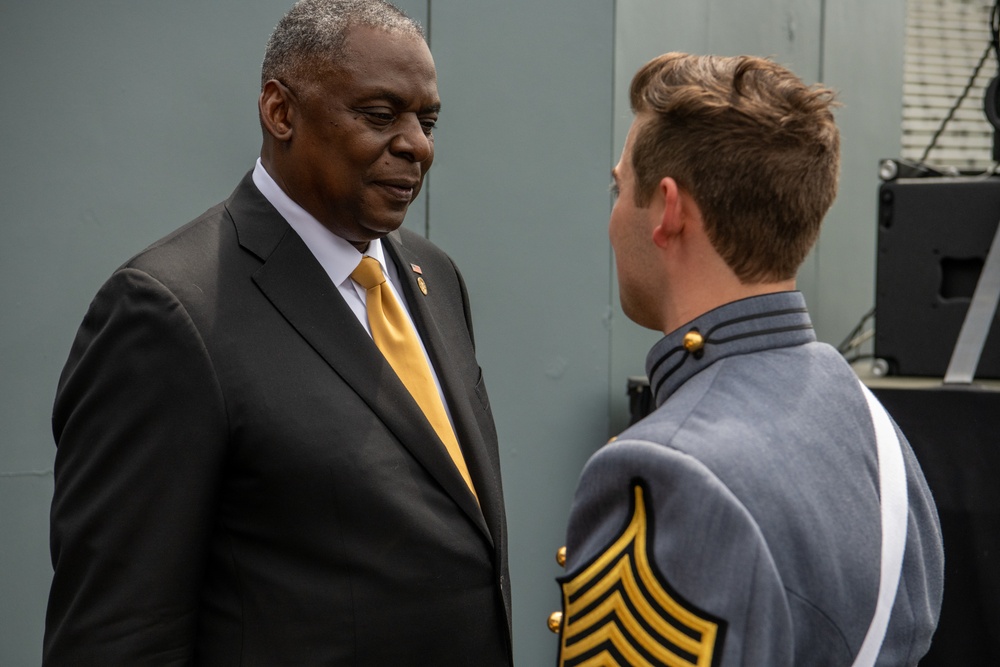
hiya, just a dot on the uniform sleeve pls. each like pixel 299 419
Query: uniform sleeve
pixel 665 566
pixel 140 429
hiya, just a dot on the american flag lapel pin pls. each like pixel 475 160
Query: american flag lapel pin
pixel 420 279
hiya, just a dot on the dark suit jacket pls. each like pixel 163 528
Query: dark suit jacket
pixel 241 479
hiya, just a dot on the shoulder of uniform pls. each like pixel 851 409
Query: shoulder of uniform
pixel 620 604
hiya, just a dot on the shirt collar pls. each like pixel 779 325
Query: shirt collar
pixel 749 325
pixel 337 256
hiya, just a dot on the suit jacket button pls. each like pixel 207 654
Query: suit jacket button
pixel 561 556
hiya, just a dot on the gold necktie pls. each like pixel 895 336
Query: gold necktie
pixel 395 337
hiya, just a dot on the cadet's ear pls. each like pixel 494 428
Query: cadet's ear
pixel 277 109
pixel 671 222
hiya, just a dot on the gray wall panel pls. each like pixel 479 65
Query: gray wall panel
pixel 863 61
pixel 24 564
pixel 519 198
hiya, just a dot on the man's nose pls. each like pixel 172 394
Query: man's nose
pixel 411 141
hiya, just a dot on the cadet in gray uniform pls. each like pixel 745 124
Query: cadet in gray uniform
pixel 741 523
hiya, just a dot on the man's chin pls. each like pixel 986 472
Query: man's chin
pixel 644 317
pixel 378 229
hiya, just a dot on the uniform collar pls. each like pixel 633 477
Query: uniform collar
pixel 748 325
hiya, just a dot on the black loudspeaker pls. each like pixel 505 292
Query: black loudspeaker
pixel 933 237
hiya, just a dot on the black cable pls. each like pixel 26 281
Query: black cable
pixel 961 98
pixel 846 346
pixel 858 357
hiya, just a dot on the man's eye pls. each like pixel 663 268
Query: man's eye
pixel 380 117
pixel 614 190
pixel 428 124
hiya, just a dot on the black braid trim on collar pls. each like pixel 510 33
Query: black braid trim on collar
pixel 718 341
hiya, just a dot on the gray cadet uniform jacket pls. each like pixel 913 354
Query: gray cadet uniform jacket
pixel 739 523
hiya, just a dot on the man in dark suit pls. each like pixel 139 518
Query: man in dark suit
pixel 242 477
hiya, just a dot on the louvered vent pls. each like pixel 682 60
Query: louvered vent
pixel 945 39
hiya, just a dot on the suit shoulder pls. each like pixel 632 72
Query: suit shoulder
pixel 412 239
pixel 190 249
pixel 418 245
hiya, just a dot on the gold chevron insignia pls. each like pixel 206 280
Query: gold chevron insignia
pixel 620 612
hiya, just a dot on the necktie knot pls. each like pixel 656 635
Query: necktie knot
pixel 369 273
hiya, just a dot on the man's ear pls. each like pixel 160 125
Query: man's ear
pixel 277 109
pixel 671 222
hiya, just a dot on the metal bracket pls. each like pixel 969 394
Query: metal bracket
pixel 978 319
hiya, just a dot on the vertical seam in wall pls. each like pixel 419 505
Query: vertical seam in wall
pixel 822 39
pixel 821 77
pixel 427 194
pixel 428 22
pixel 611 255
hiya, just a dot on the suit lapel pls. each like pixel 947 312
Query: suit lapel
pixel 298 287
pixel 423 310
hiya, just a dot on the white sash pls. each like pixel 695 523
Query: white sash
pixel 892 491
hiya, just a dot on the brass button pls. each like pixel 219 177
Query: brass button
pixel 693 341
pixel 555 621
pixel 561 556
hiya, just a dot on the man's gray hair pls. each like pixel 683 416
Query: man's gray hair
pixel 315 29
